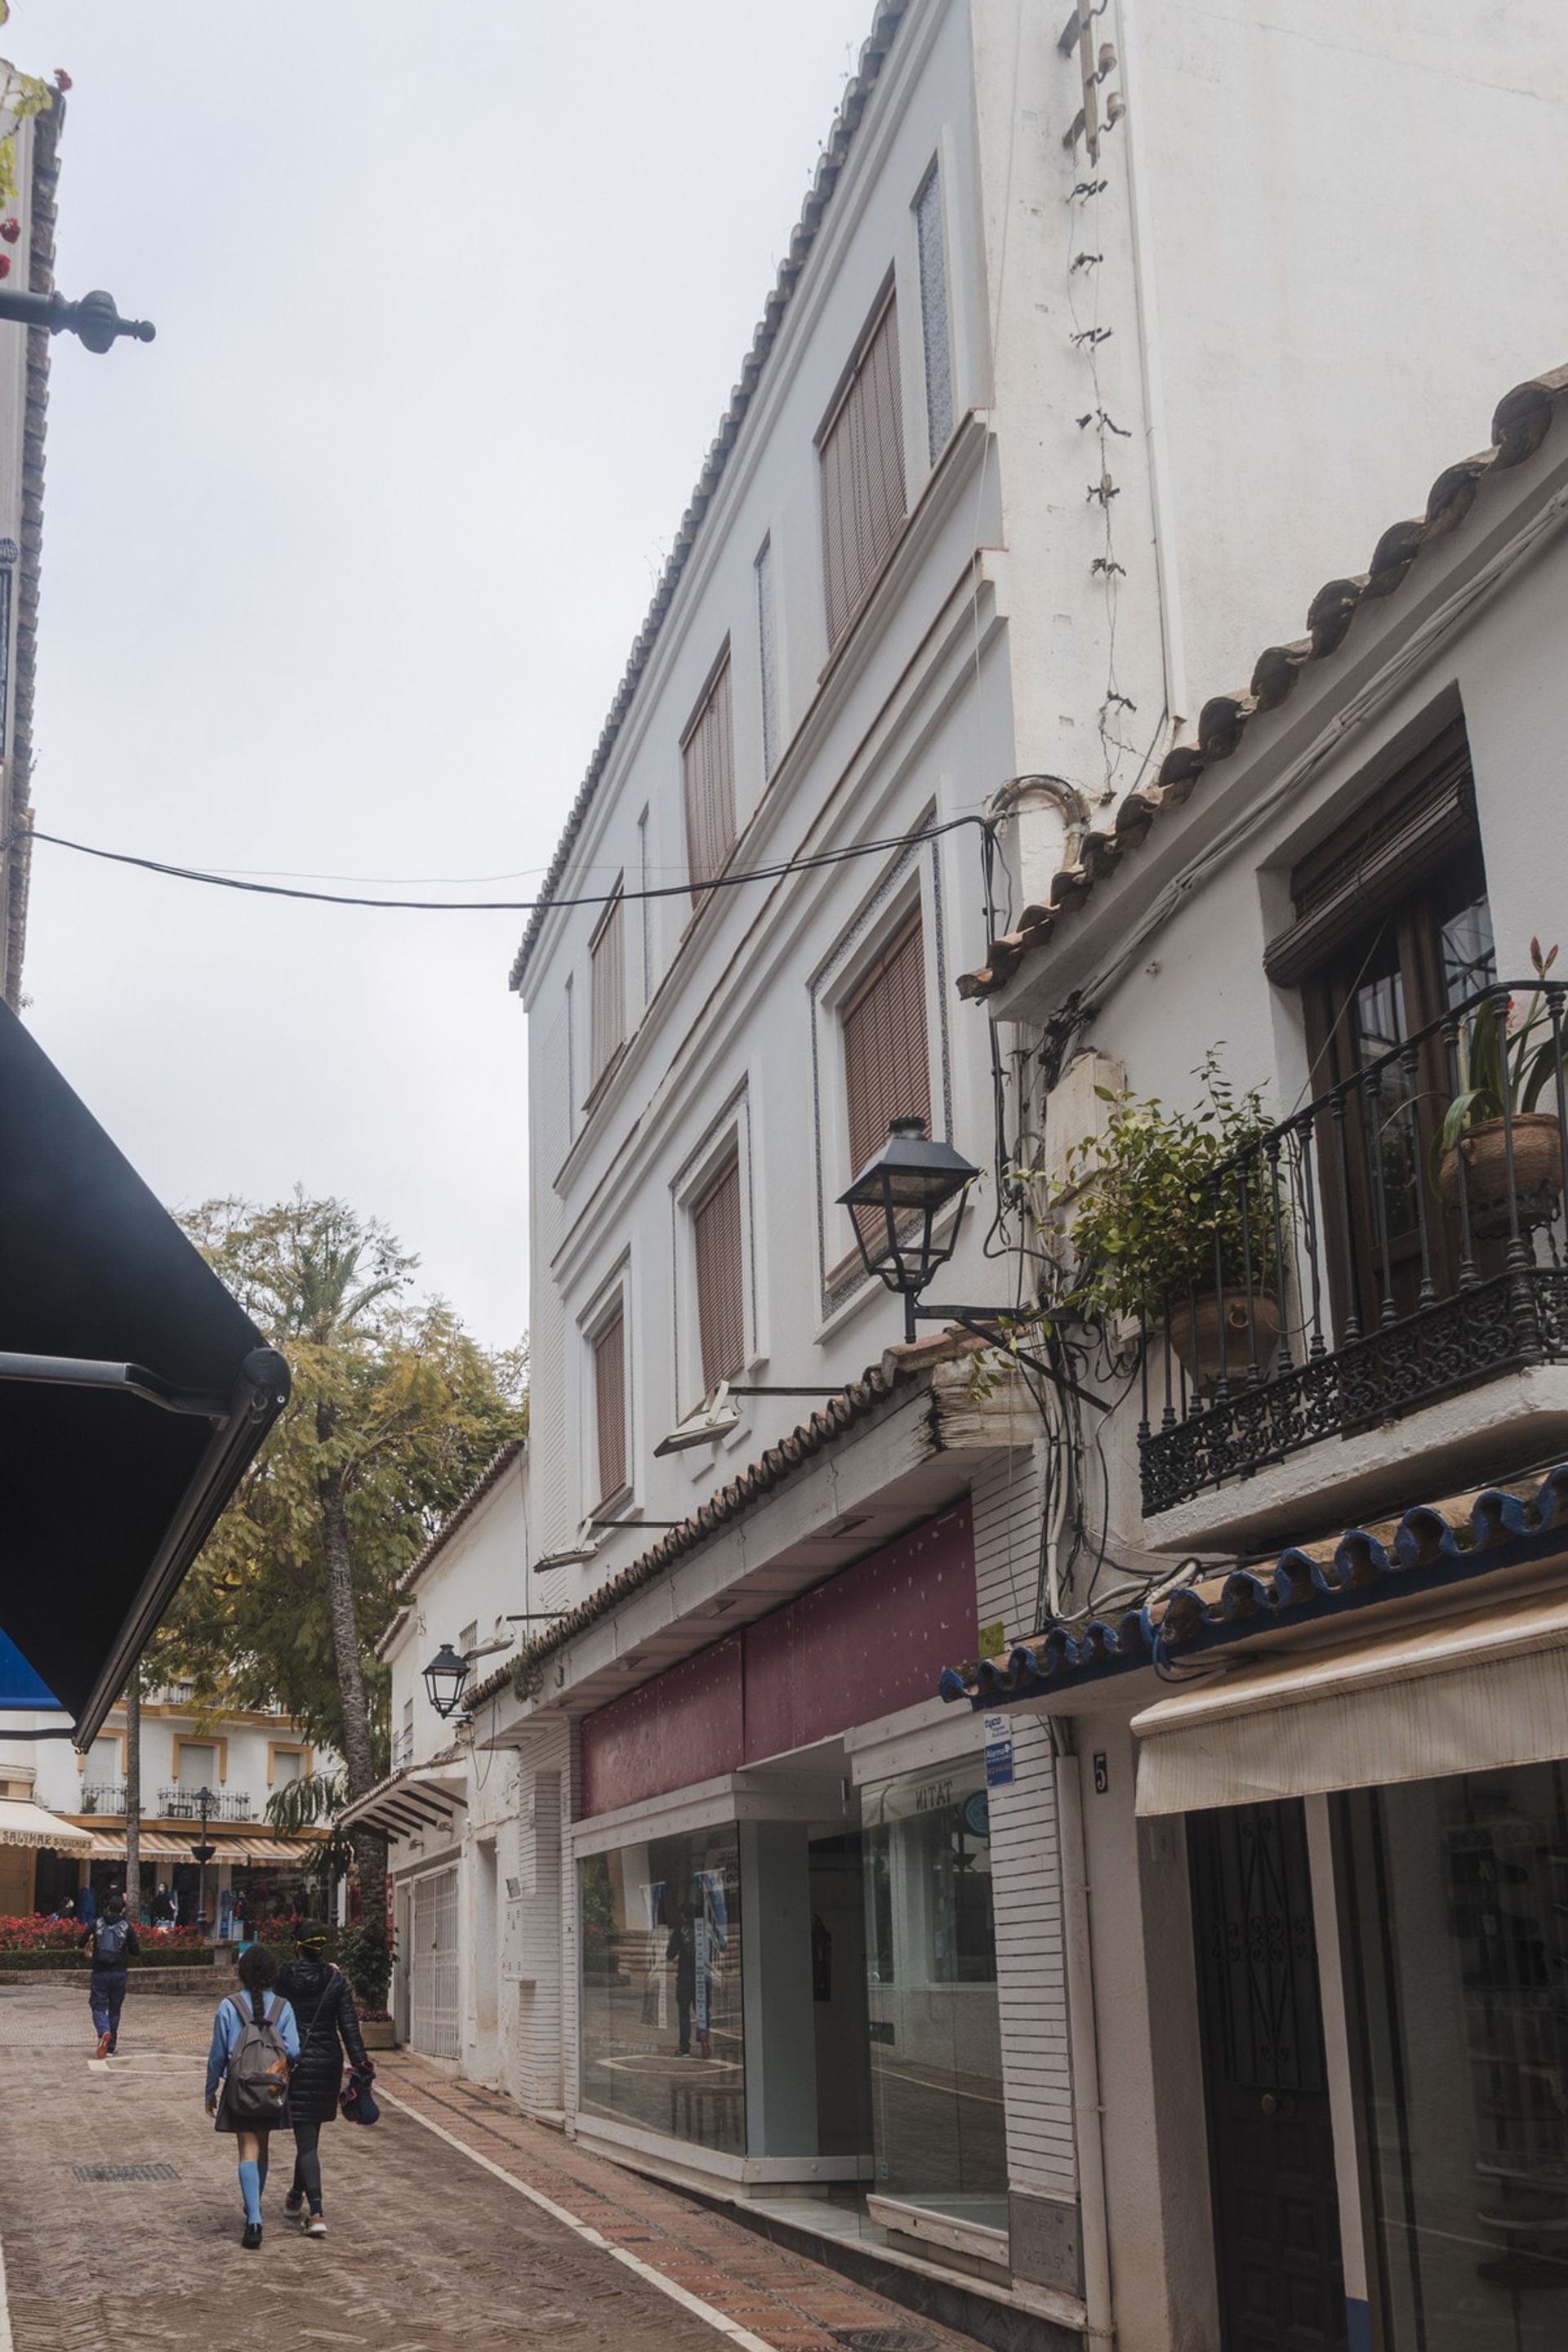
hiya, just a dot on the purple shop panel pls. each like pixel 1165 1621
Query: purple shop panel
pixel 683 1727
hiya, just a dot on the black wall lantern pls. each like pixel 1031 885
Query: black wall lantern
pixel 895 1202
pixel 444 1679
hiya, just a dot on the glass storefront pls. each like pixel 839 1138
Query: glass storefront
pixel 938 2130
pixel 1457 1907
pixel 659 1997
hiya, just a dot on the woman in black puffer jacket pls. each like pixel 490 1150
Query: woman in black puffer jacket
pixel 324 2010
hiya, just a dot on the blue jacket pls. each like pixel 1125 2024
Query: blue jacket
pixel 228 2025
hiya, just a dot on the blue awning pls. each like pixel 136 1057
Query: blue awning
pixel 20 1687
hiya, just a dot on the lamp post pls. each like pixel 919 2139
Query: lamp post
pixel 94 318
pixel 204 1853
pixel 443 1678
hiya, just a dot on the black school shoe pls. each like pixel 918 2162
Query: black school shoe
pixel 251 2237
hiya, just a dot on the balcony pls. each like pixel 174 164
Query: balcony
pixel 103 1797
pixel 227 1805
pixel 1370 1261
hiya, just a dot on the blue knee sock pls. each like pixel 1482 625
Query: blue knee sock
pixel 250 2189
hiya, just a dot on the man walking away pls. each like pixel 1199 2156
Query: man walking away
pixel 113 1943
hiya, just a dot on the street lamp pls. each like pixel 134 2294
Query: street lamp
pixel 894 1203
pixel 204 1853
pixel 94 318
pixel 444 1679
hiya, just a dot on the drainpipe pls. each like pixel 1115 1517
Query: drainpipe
pixel 1168 579
pixel 1083 2044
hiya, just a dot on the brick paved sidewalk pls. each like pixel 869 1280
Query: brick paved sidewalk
pixel 497 2232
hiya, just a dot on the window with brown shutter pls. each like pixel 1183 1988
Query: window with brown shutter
pixel 608 957
pixel 863 473
pixel 720 1277
pixel 610 1404
pixel 708 762
pixel 886 1057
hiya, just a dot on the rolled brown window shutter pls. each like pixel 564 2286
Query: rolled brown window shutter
pixel 707 767
pixel 863 489
pixel 610 1405
pixel 886 1050
pixel 1341 891
pixel 720 1277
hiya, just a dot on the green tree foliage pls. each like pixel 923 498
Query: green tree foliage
pixel 395 1411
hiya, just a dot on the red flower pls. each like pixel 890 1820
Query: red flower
pixel 11 229
pixel 62 79
pixel 4 265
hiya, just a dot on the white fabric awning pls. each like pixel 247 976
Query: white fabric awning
pixel 22 1822
pixel 1421 1703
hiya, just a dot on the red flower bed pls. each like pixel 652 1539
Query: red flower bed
pixel 37 1934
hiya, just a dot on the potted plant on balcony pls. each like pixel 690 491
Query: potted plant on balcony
pixel 1176 1229
pixel 1506 1066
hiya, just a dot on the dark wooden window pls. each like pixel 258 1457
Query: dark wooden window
pixel 887 1053
pixel 608 957
pixel 708 766
pixel 720 1277
pixel 863 495
pixel 1393 930
pixel 610 1404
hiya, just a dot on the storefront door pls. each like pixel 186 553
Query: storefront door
pixel 1270 2138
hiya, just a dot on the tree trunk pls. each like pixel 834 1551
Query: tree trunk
pixel 134 1795
pixel 370 1850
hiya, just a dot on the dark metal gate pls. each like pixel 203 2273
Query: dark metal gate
pixel 1281 2288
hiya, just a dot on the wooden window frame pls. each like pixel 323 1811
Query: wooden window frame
pixel 611 1322
pixel 608 936
pixel 910 927
pixel 730 1319
pixel 708 782
pixel 847 598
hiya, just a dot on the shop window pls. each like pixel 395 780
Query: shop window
pixel 660 2016
pixel 938 2132
pixel 1456 1909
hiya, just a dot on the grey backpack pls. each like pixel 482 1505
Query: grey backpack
pixel 259 2070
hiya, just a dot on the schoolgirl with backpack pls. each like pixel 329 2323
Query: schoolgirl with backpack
pixel 114 1944
pixel 255 2042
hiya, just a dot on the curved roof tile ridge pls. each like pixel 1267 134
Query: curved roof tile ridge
pixel 830 164
pixel 1425 1553
pixel 1521 423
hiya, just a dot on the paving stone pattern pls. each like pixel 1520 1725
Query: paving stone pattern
pixel 428 2249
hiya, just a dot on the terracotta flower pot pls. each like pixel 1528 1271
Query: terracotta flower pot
pixel 1241 1332
pixel 1537 1171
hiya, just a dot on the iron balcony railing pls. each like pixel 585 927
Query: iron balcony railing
pixel 1367 1258
pixel 227 1805
pixel 103 1797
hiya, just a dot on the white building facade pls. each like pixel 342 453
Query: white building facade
pixel 1044 418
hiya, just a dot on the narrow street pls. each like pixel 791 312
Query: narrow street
pixel 453 2222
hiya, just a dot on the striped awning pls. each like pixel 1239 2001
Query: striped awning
pixel 109 1845
pixel 22 1822
pixel 270 1849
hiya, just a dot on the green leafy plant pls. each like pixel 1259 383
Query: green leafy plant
pixel 1164 1203
pixel 366 1956
pixel 1505 1067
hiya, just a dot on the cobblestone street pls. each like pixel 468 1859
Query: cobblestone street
pixel 454 2222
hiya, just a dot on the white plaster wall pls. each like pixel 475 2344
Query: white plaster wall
pixel 479 1576
pixel 1356 250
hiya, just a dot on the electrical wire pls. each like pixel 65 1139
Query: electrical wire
pixel 805 864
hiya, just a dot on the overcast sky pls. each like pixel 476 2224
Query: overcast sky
pixel 339 575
